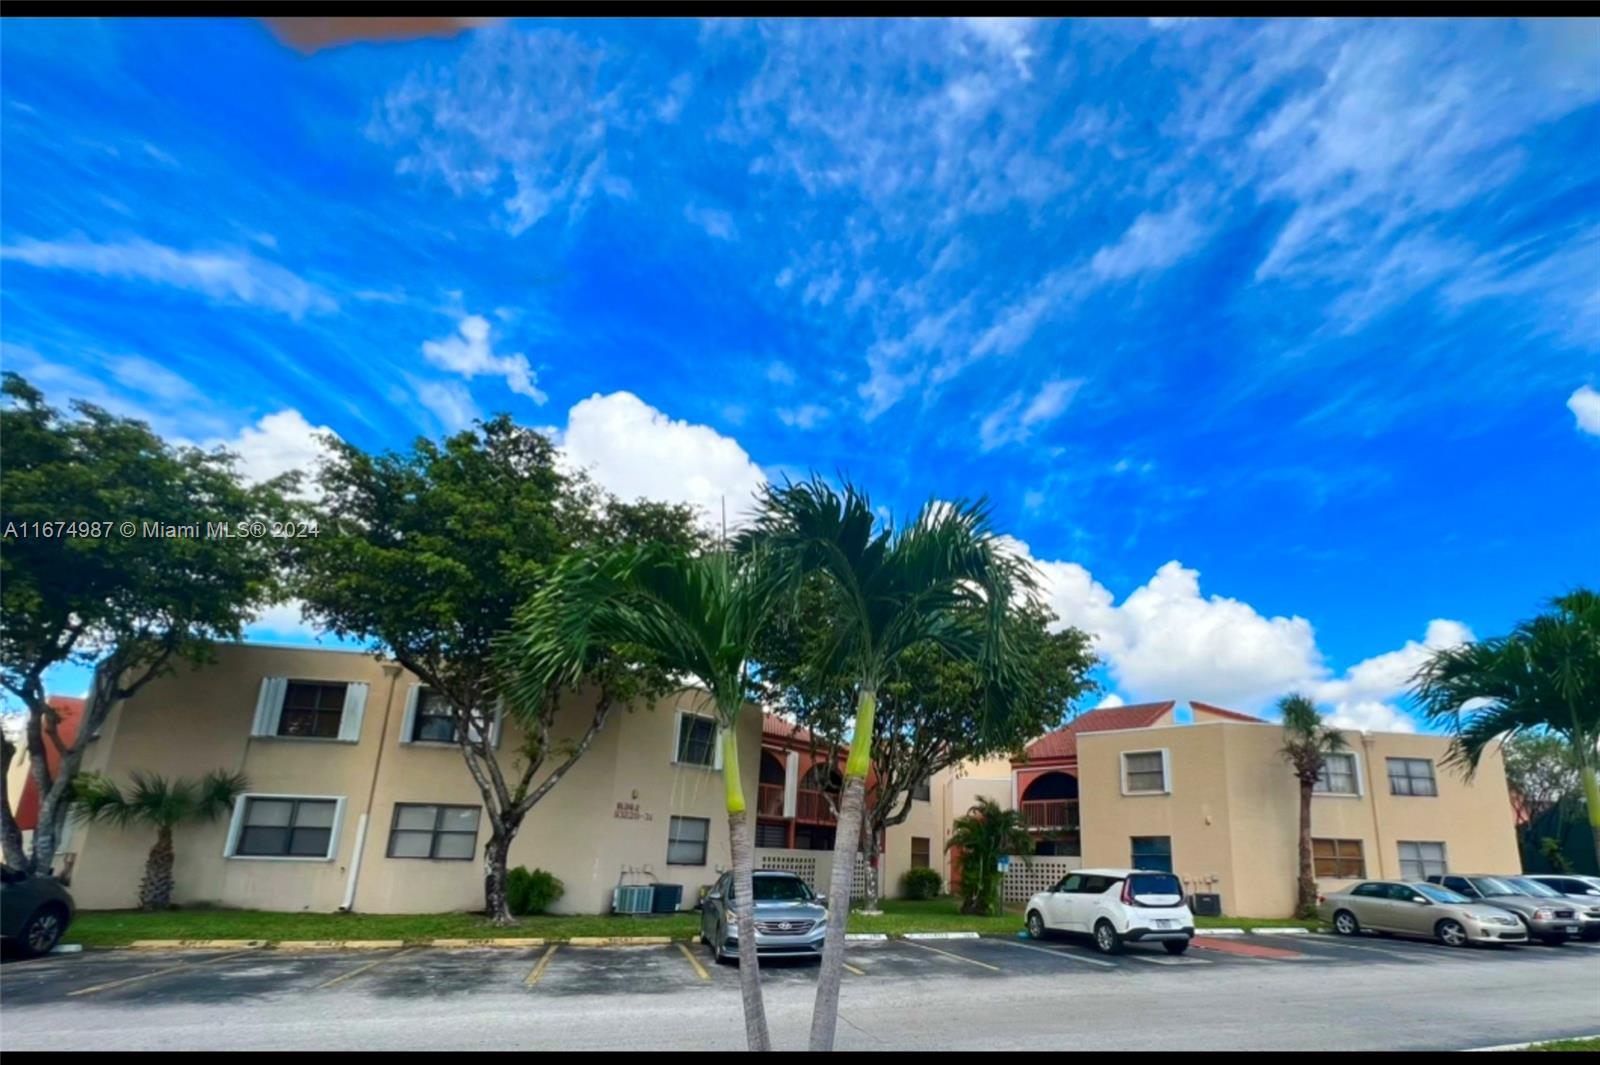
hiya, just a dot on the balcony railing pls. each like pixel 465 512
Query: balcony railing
pixel 1050 815
pixel 812 805
pixel 769 800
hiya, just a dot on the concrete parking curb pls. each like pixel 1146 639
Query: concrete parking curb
pixel 339 944
pixel 865 937
pixel 1219 931
pixel 512 942
pixel 619 941
pixel 1281 931
pixel 194 944
pixel 940 935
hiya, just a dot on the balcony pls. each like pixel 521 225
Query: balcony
pixel 769 800
pixel 1050 815
pixel 812 805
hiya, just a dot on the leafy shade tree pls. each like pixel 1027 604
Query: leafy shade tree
pixel 696 616
pixel 156 802
pixel 935 711
pixel 426 556
pixel 886 591
pixel 1542 772
pixel 1544 677
pixel 151 588
pixel 1307 742
pixel 980 838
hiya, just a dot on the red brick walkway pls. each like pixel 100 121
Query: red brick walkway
pixel 1237 946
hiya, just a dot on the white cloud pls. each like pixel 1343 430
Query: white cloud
pixel 225 275
pixel 1015 419
pixel 469 354
pixel 275 444
pixel 1585 407
pixel 780 373
pixel 716 223
pixel 1007 37
pixel 635 451
pixel 805 416
pixel 450 402
pixel 1168 641
pixel 1111 700
pixel 1153 242
pixel 1371 716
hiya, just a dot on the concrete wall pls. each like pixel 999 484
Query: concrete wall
pixel 191 722
pixel 1233 810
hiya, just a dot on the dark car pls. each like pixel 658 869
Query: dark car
pixel 34 911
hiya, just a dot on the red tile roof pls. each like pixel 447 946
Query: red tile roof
pixel 785 731
pixel 1231 715
pixel 1063 743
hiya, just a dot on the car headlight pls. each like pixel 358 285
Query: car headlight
pixel 1501 920
pixel 1544 915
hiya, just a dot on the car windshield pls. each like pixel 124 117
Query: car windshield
pixel 781 889
pixel 1437 893
pixel 1533 887
pixel 1493 887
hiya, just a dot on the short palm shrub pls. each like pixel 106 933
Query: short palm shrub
pixel 921 884
pixel 532 893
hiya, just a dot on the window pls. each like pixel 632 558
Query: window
pixel 1152 852
pixel 312 710
pixel 447 833
pixel 282 826
pixel 769 834
pixel 921 791
pixel 697 741
pixel 1338 776
pixel 1418 861
pixel 434 721
pixel 921 852
pixel 1144 773
pixel 1371 891
pixel 686 840
pixel 1339 858
pixel 1412 776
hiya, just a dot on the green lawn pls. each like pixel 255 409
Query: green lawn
pixel 1590 1045
pixel 114 928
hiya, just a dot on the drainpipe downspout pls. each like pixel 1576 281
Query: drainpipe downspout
pixel 1372 800
pixel 392 671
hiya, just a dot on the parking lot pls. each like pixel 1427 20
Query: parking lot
pixel 997 992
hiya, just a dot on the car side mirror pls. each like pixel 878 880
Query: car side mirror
pixel 822 900
pixel 1420 900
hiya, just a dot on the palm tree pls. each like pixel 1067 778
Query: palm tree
pixel 155 802
pixel 693 616
pixel 1543 677
pixel 1307 742
pixel 983 835
pixel 885 591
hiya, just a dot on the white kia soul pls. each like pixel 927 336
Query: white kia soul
pixel 1115 906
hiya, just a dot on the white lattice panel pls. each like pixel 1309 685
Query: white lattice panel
pixel 1022 882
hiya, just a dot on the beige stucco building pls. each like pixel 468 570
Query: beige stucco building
pixel 358 800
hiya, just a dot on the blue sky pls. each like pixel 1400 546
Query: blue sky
pixel 1277 343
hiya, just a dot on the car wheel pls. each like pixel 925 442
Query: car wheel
pixel 1106 939
pixel 1176 946
pixel 1451 933
pixel 1036 928
pixel 1345 923
pixel 43 930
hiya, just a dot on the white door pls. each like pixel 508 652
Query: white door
pixel 1059 905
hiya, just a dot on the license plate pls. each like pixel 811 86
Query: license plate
pixel 1571 928
pixel 1166 924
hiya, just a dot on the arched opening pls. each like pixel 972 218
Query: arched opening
pixel 1049 806
pixel 769 792
pixel 819 794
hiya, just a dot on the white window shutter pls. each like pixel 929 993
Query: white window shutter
pixel 338 825
pixel 269 706
pixel 717 763
pixel 235 826
pixel 355 708
pixel 408 722
pixel 494 729
pixel 677 736
pixel 791 783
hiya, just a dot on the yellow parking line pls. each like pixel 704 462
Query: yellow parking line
pixel 544 963
pixel 957 957
pixel 359 969
pixel 159 972
pixel 694 962
pixel 852 969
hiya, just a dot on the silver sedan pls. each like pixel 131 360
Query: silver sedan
pixel 790 918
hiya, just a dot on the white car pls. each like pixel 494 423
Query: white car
pixel 1115 906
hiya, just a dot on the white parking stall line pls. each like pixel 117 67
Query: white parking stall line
pixel 1405 955
pixel 1058 953
pixel 1155 959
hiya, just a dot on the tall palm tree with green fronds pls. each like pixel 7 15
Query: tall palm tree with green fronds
pixel 1307 742
pixel 153 801
pixel 985 833
pixel 692 615
pixel 1543 677
pixel 886 590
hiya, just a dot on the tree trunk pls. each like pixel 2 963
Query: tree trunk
pixel 45 837
pixel 1591 794
pixel 495 855
pixel 16 857
pixel 155 890
pixel 852 805
pixel 744 859
pixel 1306 902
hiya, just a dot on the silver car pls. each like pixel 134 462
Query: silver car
pixel 790 918
pixel 1550 921
pixel 1585 901
pixel 1400 907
